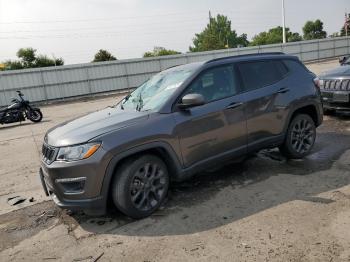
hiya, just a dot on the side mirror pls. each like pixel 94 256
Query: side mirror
pixel 191 100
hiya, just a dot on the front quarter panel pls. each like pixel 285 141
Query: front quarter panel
pixel 155 132
pixel 158 127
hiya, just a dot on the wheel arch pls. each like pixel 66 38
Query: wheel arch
pixel 309 109
pixel 161 149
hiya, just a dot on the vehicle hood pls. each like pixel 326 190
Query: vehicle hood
pixel 337 72
pixel 85 128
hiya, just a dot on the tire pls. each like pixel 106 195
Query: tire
pixel 300 137
pixel 35 115
pixel 140 186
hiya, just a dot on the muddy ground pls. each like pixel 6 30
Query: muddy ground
pixel 263 209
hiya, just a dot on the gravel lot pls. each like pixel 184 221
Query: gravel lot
pixel 264 209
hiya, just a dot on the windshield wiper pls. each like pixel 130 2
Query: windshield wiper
pixel 139 103
pixel 124 100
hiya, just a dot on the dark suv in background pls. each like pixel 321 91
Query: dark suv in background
pixel 335 88
pixel 179 122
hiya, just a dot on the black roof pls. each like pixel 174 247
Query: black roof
pixel 247 55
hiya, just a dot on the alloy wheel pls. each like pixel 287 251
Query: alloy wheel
pixel 302 136
pixel 148 186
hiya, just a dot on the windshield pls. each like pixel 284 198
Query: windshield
pixel 155 92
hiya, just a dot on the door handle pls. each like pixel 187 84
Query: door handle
pixel 234 105
pixel 283 90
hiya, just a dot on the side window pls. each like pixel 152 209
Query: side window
pixel 261 73
pixel 295 65
pixel 215 84
pixel 281 67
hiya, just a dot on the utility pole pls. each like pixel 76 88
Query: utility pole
pixel 210 19
pixel 346 24
pixel 283 23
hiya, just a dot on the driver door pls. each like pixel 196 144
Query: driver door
pixel 217 128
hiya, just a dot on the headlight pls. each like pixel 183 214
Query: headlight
pixel 73 153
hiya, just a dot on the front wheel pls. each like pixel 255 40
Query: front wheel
pixel 300 137
pixel 140 186
pixel 35 115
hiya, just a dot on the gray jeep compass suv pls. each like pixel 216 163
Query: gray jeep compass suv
pixel 335 89
pixel 180 122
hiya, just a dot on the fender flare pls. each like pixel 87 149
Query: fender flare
pixel 177 167
pixel 299 106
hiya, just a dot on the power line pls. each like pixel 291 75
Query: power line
pixel 226 12
pixel 176 24
pixel 97 34
pixel 102 27
pixel 132 32
pixel 89 20
pixel 129 33
pixel 140 26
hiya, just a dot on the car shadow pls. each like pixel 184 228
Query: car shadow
pixel 340 115
pixel 234 191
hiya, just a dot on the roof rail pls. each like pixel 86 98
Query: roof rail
pixel 247 55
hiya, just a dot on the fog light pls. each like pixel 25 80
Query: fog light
pixel 72 185
pixel 67 180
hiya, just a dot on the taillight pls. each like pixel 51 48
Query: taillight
pixel 318 83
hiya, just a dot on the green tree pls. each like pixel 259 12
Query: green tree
pixel 13 65
pixel 44 61
pixel 160 51
pixel 336 34
pixel 274 36
pixel 314 30
pixel 218 34
pixel 294 37
pixel 27 56
pixel 29 59
pixel 103 55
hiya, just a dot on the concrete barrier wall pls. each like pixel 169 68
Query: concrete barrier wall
pixel 53 83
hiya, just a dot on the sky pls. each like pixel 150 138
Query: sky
pixel 76 29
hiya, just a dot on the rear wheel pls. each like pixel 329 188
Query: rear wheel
pixel 35 115
pixel 300 137
pixel 140 186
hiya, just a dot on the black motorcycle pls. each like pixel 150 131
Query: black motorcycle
pixel 19 110
pixel 345 60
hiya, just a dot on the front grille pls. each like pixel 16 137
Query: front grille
pixel 48 153
pixel 337 85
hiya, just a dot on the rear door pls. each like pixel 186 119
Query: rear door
pixel 267 96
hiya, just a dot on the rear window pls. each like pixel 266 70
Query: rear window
pixel 261 73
